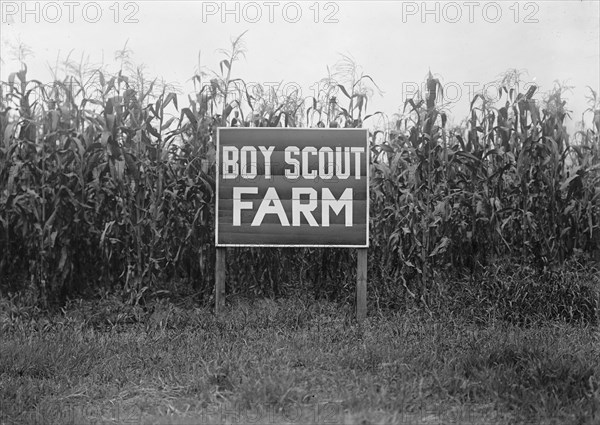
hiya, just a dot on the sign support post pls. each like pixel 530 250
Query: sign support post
pixel 220 280
pixel 361 284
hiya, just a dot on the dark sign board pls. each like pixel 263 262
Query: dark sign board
pixel 292 187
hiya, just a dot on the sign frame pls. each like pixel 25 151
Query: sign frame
pixel 292 245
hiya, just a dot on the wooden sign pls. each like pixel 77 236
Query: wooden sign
pixel 292 187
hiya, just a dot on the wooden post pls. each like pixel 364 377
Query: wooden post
pixel 220 280
pixel 361 284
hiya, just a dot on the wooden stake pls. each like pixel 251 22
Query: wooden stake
pixel 361 284
pixel 220 280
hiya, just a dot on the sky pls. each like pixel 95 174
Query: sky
pixel 466 44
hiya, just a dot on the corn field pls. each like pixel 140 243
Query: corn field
pixel 107 181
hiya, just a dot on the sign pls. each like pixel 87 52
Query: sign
pixel 292 187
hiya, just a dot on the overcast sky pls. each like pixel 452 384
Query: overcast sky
pixel 465 44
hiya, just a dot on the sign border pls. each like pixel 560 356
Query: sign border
pixel 368 175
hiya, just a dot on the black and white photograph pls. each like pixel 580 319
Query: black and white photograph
pixel 300 212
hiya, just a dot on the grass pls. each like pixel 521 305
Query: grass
pixel 288 361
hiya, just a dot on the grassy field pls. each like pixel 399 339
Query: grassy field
pixel 288 361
